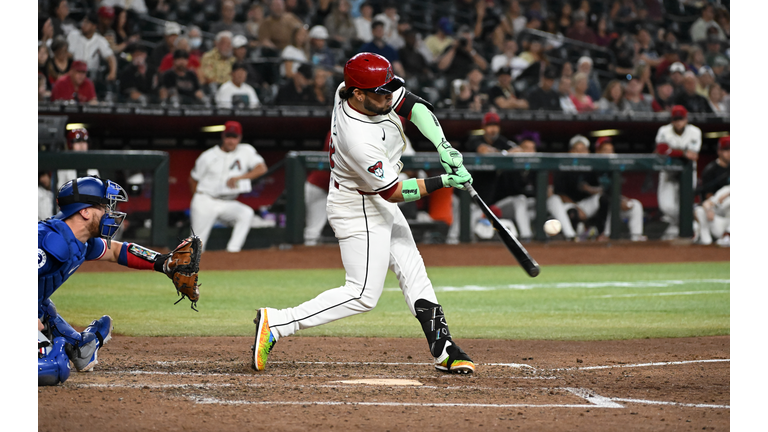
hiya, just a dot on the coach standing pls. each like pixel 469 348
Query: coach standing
pixel 221 173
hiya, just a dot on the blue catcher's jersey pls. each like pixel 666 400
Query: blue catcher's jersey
pixel 59 254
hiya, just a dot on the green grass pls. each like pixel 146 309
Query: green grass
pixel 565 302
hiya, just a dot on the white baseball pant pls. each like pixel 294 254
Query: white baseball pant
pixel 315 199
pixel 634 216
pixel 718 226
pixel 520 208
pixel 373 237
pixel 559 210
pixel 205 210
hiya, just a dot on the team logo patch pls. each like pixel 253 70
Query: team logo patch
pixel 41 258
pixel 390 75
pixel 377 169
pixel 235 165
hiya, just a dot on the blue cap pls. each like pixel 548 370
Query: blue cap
pixel 445 25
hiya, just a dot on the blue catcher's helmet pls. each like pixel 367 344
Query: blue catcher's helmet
pixel 90 191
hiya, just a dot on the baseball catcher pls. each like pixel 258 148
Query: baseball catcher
pixel 83 231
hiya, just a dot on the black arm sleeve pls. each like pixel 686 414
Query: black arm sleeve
pixel 406 104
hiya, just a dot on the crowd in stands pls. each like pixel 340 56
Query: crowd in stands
pixel 588 56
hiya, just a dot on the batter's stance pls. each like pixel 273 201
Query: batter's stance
pixel 367 140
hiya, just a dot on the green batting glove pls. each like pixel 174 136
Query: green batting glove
pixel 450 158
pixel 456 180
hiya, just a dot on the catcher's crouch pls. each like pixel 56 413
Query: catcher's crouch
pixel 83 231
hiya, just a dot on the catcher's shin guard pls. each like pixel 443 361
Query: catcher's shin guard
pixel 448 356
pixel 84 354
pixel 265 341
pixel 53 363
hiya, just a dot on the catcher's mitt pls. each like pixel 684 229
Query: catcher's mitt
pixel 182 267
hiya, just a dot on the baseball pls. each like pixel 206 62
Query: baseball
pixel 552 227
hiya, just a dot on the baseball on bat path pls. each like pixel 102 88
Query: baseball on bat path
pixel 552 227
pixel 518 251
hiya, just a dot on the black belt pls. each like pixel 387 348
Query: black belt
pixel 336 185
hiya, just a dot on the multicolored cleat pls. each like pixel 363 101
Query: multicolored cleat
pixel 454 360
pixel 264 342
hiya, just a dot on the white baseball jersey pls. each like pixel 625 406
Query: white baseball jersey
pixel 89 50
pixel 690 140
pixel 365 151
pixel 669 186
pixel 214 166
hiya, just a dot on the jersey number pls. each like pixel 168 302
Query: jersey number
pixel 331 151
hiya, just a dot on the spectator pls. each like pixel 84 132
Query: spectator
pixel 216 65
pixel 681 140
pixel 721 69
pixel 543 97
pixel 296 53
pixel 676 71
pixel 138 80
pixel 534 20
pixel 276 30
pixel 695 60
pixel 298 90
pixel 459 57
pixel 195 41
pixel 723 18
pixel 717 173
pixel 59 23
pixel 180 85
pixel 646 48
pixel 718 102
pixel 240 52
pixel 692 101
pixel 391 20
pixel 319 53
pixel 502 95
pixel 576 196
pixel 322 93
pixel 515 195
pixel 106 18
pixel 631 209
pixel 43 94
pixel 77 141
pixel 253 22
pixel 44 196
pixel 138 6
pixel 415 65
pixel 227 22
pixel 603 37
pixel 221 173
pixel 236 93
pixel 715 177
pixel 60 63
pixel 623 12
pixel 363 23
pixel 171 31
pixel 181 43
pixel 671 57
pixel 378 46
pixel 564 18
pixel 510 59
pixel 579 96
pixel 584 65
pixel 706 77
pixel 706 21
pixel 341 26
pixel 664 96
pixel 75 85
pixel 513 21
pixel 321 12
pixel 437 42
pixel 580 31
pixel 88 46
pixel 612 101
pixel 713 50
pixel 490 142
pixel 624 48
pixel 564 89
pixel 487 20
pixel 462 96
pixel 634 99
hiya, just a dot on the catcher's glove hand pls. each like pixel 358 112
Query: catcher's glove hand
pixel 182 267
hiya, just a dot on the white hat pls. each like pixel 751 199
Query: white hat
pixel 677 67
pixel 318 32
pixel 583 59
pixel 578 139
pixel 239 41
pixel 172 28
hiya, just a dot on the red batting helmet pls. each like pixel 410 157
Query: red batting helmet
pixel 76 135
pixel 369 71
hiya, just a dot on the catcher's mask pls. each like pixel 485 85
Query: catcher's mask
pixel 85 192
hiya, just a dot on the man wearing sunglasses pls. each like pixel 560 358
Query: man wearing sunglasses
pixel 81 231
pixel 367 140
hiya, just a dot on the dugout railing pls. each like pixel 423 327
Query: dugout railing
pixel 297 164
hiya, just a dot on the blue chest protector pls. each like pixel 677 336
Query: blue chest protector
pixel 59 254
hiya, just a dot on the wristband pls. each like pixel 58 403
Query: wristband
pixel 137 257
pixel 410 190
pixel 433 183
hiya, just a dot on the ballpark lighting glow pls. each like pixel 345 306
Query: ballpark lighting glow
pixel 216 128
pixel 552 227
pixel 73 126
pixel 717 134
pixel 605 133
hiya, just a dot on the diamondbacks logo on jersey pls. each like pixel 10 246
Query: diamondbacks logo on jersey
pixel 377 169
pixel 235 165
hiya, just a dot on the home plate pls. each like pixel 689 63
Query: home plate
pixel 384 382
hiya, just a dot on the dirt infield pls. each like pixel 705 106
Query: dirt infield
pixel 314 383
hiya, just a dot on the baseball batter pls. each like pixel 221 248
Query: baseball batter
pixel 682 140
pixel 221 173
pixel 367 140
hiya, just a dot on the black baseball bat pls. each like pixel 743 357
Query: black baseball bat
pixel 518 251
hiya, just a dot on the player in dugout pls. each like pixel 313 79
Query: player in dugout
pixel 367 140
pixel 81 231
